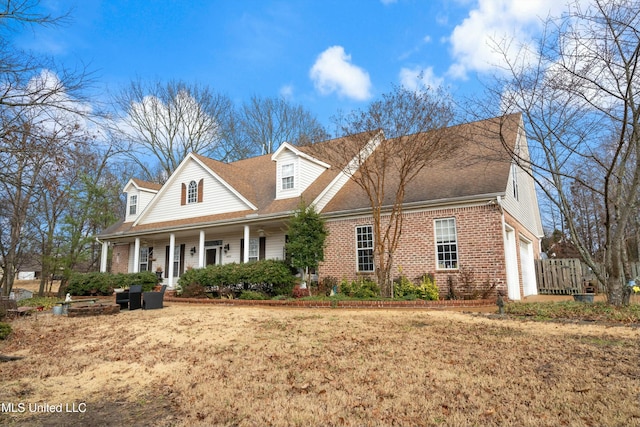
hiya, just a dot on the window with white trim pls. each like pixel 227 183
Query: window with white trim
pixel 446 243
pixel 254 249
pixel 364 248
pixel 144 256
pixel 287 176
pixel 176 261
pixel 133 205
pixel 192 192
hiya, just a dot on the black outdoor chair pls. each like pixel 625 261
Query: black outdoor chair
pixel 152 300
pixel 135 297
pixel 122 299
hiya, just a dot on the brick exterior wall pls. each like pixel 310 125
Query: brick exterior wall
pixel 120 259
pixel 480 248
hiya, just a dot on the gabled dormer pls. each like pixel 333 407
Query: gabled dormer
pixel 139 194
pixel 295 171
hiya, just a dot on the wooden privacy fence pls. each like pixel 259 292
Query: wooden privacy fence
pixel 568 276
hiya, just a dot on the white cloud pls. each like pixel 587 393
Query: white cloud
pixel 495 21
pixel 334 72
pixel 286 91
pixel 418 78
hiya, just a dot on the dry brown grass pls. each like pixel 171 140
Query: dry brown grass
pixel 199 365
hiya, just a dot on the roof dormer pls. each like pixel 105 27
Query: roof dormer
pixel 295 171
pixel 139 194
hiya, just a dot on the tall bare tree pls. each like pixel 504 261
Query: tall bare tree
pixel 166 121
pixel 268 122
pixel 391 141
pixel 579 94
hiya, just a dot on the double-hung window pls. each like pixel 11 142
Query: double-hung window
pixel 287 176
pixel 254 248
pixel 133 205
pixel 145 254
pixel 176 262
pixel 446 243
pixel 364 248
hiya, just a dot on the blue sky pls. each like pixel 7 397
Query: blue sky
pixel 326 55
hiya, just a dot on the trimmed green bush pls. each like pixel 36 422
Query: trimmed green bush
pixel 81 284
pixel 361 288
pixel 252 295
pixel 271 277
pixel 426 289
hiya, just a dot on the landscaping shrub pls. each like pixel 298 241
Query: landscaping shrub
pixel 403 288
pixel 87 283
pixel 81 284
pixel 425 289
pixel 361 288
pixel 193 290
pixel 271 277
pixel 147 279
pixel 299 292
pixel 252 295
pixel 5 330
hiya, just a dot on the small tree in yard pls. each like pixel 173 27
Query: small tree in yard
pixel 389 144
pixel 307 234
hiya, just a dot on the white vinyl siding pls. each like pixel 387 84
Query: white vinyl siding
pixel 295 174
pixel 142 199
pixel 217 198
pixel 524 207
pixel 133 204
pixel 192 192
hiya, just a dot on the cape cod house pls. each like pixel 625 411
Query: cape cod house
pixel 474 212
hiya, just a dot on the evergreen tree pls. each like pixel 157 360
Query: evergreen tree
pixel 307 234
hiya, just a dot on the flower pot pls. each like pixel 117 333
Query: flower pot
pixel 583 297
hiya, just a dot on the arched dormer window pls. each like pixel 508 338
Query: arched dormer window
pixel 192 193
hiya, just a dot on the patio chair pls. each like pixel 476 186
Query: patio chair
pixel 152 300
pixel 122 299
pixel 135 297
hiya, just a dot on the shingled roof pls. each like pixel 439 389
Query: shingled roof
pixel 479 166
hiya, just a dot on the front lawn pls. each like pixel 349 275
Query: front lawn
pixel 198 365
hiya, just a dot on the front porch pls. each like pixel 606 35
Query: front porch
pixel 170 254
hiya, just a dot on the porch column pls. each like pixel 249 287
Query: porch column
pixel 246 244
pixel 201 250
pixel 172 250
pixel 136 256
pixel 104 253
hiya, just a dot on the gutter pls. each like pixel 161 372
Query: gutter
pixel 490 197
pixel 253 217
pixel 248 219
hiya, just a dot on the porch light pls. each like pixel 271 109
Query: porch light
pixel 193 251
pixel 226 248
